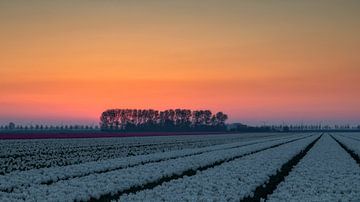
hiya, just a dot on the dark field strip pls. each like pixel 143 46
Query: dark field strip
pixel 262 191
pixel 349 151
pixel 154 161
pixel 190 172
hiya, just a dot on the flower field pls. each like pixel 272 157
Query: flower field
pixel 225 167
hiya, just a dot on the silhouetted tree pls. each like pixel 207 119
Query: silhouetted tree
pixel 286 128
pixel 168 120
pixel 11 125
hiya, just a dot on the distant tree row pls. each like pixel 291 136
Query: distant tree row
pixel 239 127
pixel 13 126
pixel 168 120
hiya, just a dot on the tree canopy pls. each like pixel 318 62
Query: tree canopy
pixel 168 120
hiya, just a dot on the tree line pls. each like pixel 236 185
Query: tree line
pixel 168 120
pixel 13 126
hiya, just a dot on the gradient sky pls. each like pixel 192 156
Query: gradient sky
pixel 259 61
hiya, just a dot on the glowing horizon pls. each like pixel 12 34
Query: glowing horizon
pixel 256 61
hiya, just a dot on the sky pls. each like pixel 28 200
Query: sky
pixel 258 61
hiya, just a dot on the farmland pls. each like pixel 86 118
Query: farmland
pixel 223 167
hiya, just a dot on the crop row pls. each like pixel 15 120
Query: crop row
pixel 44 155
pixel 16 148
pixel 51 175
pixel 326 173
pixel 113 182
pixel 350 143
pixel 232 181
pixel 354 136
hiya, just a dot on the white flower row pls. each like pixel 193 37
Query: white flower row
pixel 33 146
pixel 352 144
pixel 231 181
pixel 96 185
pixel 31 154
pixel 326 173
pixel 43 175
pixel 355 136
pixel 10 148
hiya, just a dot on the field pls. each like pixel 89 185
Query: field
pixel 223 167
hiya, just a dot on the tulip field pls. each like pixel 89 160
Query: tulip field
pixel 221 167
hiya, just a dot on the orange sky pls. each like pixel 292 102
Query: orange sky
pixel 258 61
